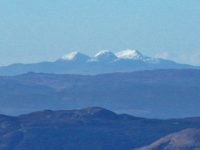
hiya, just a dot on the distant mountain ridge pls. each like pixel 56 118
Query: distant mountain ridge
pixel 103 62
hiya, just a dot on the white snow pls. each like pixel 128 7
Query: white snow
pixel 75 56
pixel 104 53
pixel 70 56
pixel 129 54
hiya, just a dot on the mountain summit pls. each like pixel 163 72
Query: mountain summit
pixel 130 54
pixel 103 62
pixel 75 56
pixel 105 55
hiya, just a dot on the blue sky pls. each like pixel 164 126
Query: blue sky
pixel 36 30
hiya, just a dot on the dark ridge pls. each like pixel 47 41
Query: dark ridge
pixel 82 129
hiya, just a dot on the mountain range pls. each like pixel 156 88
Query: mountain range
pixel 169 93
pixel 103 62
pixel 95 128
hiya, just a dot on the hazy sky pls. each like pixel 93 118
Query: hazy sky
pixel 36 30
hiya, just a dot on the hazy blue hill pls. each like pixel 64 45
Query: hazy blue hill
pixel 158 93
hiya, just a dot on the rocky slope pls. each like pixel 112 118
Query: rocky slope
pixel 188 139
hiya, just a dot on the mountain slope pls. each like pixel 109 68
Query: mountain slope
pixel 188 139
pixel 103 62
pixel 157 94
pixel 89 128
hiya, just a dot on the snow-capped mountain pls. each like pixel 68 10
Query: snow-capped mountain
pixel 103 62
pixel 108 56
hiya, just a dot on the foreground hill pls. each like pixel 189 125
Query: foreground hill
pixel 158 94
pixel 85 129
pixel 102 62
pixel 188 139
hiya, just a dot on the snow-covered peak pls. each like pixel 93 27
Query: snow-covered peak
pixel 130 54
pixel 75 56
pixel 105 55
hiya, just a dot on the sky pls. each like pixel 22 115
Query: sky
pixel 44 30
